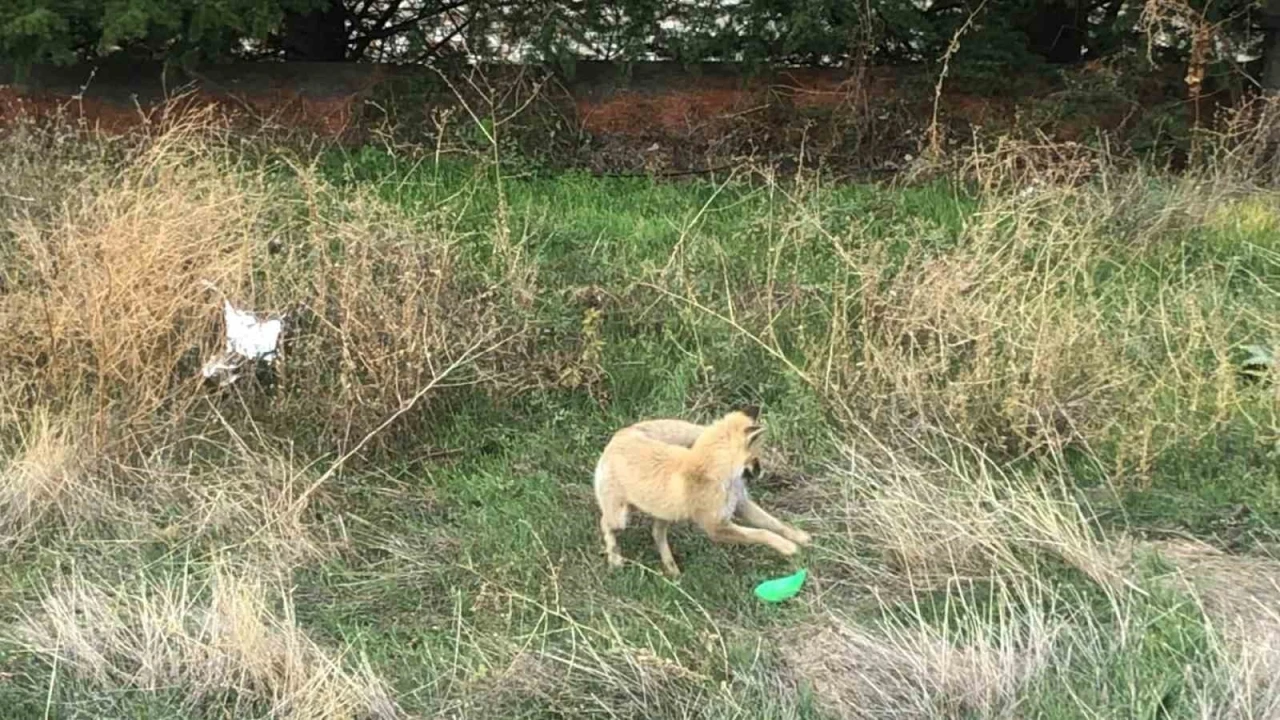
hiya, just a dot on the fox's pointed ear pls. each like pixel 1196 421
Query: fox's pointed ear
pixel 751 411
pixel 753 434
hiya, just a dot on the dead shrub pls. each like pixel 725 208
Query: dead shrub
pixel 1014 165
pixel 384 307
pixel 107 296
pixel 1245 148
pixel 1042 327
pixel 115 300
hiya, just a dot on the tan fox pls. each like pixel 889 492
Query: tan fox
pixel 674 471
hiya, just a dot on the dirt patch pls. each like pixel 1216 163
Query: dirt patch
pixel 104 116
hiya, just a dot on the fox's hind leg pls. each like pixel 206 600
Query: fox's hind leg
pixel 660 538
pixel 613 517
pixel 613 513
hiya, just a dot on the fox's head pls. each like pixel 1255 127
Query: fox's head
pixel 735 439
pixel 752 469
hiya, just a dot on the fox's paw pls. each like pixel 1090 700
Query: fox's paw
pixel 799 537
pixel 615 560
pixel 786 547
pixel 672 571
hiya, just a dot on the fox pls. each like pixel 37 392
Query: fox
pixel 676 471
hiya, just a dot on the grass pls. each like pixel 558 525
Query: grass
pixel 991 397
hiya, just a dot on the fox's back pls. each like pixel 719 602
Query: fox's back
pixel 645 472
pixel 671 431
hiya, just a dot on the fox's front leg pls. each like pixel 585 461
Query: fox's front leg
pixel 729 532
pixel 754 515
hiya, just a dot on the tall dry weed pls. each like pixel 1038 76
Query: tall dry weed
pixel 912 668
pixel 383 306
pixel 922 519
pixel 1237 594
pixel 247 499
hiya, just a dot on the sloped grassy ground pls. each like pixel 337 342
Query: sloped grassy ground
pixel 992 410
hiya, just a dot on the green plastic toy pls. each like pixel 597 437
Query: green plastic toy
pixel 783 588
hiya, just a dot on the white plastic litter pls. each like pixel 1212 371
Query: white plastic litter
pixel 248 339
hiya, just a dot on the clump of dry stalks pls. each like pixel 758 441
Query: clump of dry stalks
pixel 111 293
pixel 1058 317
pixel 48 473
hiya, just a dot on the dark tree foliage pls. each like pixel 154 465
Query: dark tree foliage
pixel 1002 35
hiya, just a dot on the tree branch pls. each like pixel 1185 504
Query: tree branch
pixel 435 47
pixel 362 42
pixel 943 7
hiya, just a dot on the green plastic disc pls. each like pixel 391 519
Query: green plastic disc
pixel 783 588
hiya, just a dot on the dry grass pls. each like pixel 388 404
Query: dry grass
pixel 208 635
pixel 572 665
pixel 50 473
pixel 246 501
pixel 913 522
pixel 110 300
pixel 106 298
pixel 1059 318
pixel 913 669
pixel 113 271
pixel 1006 342
pixel 944 518
pixel 1239 596
pixel 382 317
pixel 243 498
pixel 621 681
pixel 112 277
pixel 953 553
pixel 921 529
